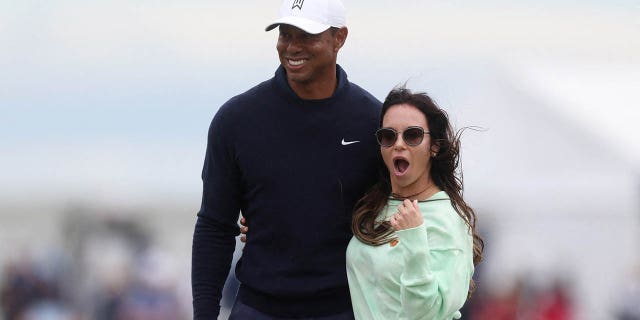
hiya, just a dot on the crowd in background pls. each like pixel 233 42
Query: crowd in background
pixel 106 269
pixel 109 268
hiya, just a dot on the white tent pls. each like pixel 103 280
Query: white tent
pixel 555 199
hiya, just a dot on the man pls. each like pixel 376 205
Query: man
pixel 293 154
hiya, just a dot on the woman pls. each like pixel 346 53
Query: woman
pixel 415 243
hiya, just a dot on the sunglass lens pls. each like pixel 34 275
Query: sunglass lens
pixel 413 136
pixel 386 137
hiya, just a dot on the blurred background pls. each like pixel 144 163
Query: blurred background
pixel 105 107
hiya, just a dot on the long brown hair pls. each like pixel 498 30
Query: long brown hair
pixel 444 172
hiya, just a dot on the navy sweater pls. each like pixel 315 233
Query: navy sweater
pixel 295 169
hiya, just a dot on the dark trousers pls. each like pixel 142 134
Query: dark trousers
pixel 241 311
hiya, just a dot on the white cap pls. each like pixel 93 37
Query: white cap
pixel 312 16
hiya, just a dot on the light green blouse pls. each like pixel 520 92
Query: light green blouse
pixel 425 274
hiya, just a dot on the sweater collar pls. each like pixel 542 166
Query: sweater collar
pixel 440 195
pixel 282 85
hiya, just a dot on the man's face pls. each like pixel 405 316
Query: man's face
pixel 308 57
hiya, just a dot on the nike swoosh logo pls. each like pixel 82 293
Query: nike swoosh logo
pixel 346 143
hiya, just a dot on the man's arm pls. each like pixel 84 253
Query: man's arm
pixel 212 253
pixel 216 227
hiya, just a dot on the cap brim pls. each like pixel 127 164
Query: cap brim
pixel 307 25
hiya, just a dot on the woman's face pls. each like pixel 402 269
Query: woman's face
pixel 408 165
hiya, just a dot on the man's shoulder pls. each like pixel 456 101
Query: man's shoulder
pixel 243 102
pixel 258 92
pixel 364 95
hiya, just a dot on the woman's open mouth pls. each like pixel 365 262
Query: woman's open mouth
pixel 400 165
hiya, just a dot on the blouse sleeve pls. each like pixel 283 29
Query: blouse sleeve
pixel 435 281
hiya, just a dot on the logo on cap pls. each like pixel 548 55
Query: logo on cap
pixel 297 3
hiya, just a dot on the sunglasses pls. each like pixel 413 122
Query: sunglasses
pixel 412 136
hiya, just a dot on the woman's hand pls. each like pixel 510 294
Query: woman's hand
pixel 407 217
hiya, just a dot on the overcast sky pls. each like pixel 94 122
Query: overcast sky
pixel 118 95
